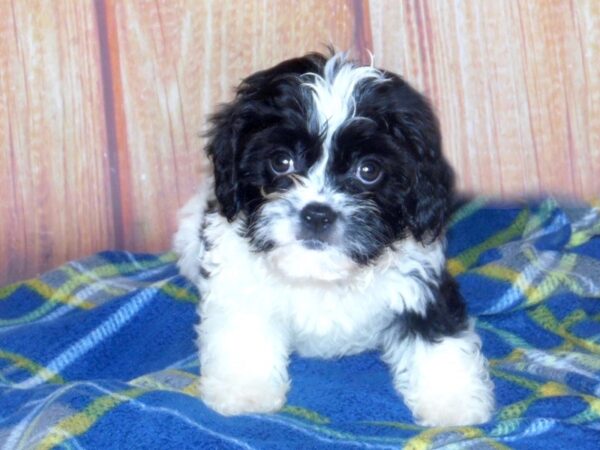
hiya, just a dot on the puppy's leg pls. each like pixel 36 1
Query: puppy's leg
pixel 436 360
pixel 243 359
pixel 444 382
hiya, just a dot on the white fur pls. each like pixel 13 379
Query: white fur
pixel 253 317
pixel 334 100
pixel 186 243
pixel 444 383
pixel 280 222
pixel 334 92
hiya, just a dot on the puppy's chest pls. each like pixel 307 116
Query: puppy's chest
pixel 327 324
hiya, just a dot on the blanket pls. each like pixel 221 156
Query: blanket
pixel 100 353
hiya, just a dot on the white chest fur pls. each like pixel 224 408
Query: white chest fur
pixel 318 318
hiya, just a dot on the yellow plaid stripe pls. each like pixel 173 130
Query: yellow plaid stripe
pixel 151 381
pixel 466 259
pixel 535 293
pixel 468 210
pixel 179 293
pixel 425 439
pixel 544 317
pixel 47 292
pixel 65 293
pixel 79 423
pixel 31 367
pixel 306 414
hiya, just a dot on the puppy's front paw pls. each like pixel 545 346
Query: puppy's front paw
pixel 454 408
pixel 234 398
pixel 456 393
pixel 448 383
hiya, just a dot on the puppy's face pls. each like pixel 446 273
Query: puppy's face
pixel 327 164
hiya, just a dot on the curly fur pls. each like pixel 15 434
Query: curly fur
pixel 318 259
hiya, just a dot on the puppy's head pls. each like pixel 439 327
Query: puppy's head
pixel 327 164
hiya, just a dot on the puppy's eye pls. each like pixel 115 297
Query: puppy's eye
pixel 369 172
pixel 281 163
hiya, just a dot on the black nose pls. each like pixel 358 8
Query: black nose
pixel 317 217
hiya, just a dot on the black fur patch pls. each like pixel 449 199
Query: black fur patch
pixel 446 315
pixel 208 245
pixel 203 272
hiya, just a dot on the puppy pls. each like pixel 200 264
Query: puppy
pixel 322 233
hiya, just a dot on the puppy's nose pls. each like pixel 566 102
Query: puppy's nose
pixel 317 217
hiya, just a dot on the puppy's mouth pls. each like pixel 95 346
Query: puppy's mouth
pixel 313 244
pixel 311 258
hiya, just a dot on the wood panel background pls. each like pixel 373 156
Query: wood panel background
pixel 55 192
pixel 102 101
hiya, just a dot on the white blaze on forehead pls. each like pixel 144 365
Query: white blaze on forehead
pixel 334 98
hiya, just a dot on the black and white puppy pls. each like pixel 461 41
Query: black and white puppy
pixel 322 233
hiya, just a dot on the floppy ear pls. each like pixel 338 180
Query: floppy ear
pixel 429 199
pixel 222 149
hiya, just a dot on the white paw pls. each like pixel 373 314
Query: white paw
pixel 453 394
pixel 454 409
pixel 448 383
pixel 230 399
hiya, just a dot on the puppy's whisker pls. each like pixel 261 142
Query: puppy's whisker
pixel 297 180
pixel 363 206
pixel 275 195
pixel 266 194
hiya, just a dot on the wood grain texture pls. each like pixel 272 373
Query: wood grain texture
pixel 177 60
pixel 515 84
pixel 102 102
pixel 54 201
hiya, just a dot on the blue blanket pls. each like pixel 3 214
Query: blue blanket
pixel 100 353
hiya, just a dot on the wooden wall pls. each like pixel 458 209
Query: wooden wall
pixel 102 102
pixel 516 85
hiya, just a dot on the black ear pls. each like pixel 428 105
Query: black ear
pixel 428 204
pixel 222 149
pixel 430 200
pixel 255 105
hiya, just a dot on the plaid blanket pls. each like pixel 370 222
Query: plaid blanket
pixel 100 352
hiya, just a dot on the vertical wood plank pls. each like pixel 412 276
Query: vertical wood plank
pixel 586 155
pixel 177 61
pixel 55 202
pixel 515 84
